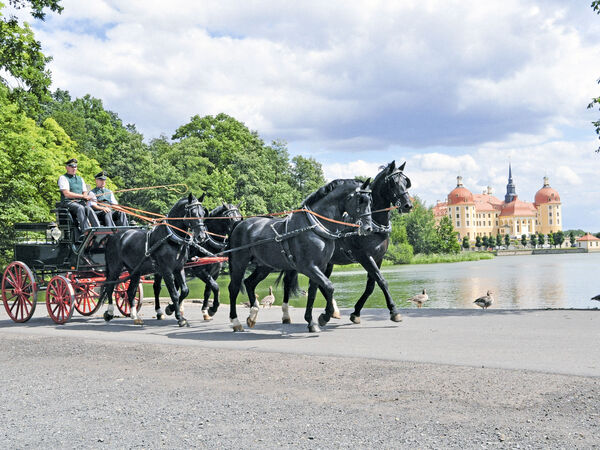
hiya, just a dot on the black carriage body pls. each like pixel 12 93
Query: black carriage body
pixel 51 248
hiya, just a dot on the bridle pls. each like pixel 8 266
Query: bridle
pixel 396 177
pixel 196 224
pixel 358 214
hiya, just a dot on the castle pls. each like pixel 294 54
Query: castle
pixel 483 214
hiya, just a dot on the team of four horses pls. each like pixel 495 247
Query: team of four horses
pixel 343 222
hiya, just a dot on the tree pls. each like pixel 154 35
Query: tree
pixel 32 158
pixel 21 57
pixel 533 240
pixel 596 101
pixel 307 175
pixel 541 238
pixel 524 240
pixel 498 240
pixel 399 250
pixel 550 239
pixel 485 242
pixel 572 238
pixel 506 240
pixel 478 242
pixel 447 237
pixel 420 228
pixel 559 238
pixel 465 243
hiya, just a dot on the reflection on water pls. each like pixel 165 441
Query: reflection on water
pixel 517 282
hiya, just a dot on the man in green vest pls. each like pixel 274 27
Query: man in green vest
pixel 104 196
pixel 74 197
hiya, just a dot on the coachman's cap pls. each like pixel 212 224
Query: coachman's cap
pixel 100 175
pixel 72 162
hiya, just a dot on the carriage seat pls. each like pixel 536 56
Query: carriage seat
pixel 66 221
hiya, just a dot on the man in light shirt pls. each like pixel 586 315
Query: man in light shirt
pixel 74 197
pixel 103 196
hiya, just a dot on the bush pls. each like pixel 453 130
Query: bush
pixel 399 253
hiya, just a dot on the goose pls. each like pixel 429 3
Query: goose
pixel 485 301
pixel 419 299
pixel 269 299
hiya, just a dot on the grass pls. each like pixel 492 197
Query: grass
pixel 450 258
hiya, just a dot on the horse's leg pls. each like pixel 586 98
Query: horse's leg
pixel 259 274
pixel 183 288
pixel 134 284
pixel 289 279
pixel 160 315
pixel 318 277
pixel 207 292
pixel 375 276
pixel 169 278
pixel 184 291
pixel 336 311
pixel 210 285
pixel 111 277
pixel 238 262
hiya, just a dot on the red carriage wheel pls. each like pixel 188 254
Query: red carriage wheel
pixel 19 291
pixel 60 299
pixel 120 296
pixel 86 298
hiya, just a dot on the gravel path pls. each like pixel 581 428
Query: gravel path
pixel 62 392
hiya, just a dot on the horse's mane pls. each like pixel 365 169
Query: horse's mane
pixel 383 173
pixel 325 190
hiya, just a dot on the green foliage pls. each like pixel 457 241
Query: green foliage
pixel 550 237
pixel 21 58
pixel 465 243
pixel 478 242
pixel 420 228
pixel 533 240
pixel 559 238
pixel 306 175
pixel 401 253
pixel 572 238
pixel 434 258
pixel 498 239
pixel 446 237
pixel 506 240
pixel 32 158
pixel 524 240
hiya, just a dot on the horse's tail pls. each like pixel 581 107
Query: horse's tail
pixel 291 277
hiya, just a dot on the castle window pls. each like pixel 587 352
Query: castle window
pixel 489 215
pixel 457 208
pixel 550 221
pixel 458 223
pixel 467 223
pixel 550 207
pixel 550 214
pixel 496 223
pixel 489 223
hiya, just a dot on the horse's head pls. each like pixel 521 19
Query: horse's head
pixel 358 208
pixel 396 185
pixel 193 217
pixel 232 212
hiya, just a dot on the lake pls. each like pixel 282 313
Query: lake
pixel 517 282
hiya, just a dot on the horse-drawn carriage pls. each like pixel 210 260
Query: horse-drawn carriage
pixel 53 257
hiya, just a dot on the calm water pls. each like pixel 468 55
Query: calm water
pixel 518 282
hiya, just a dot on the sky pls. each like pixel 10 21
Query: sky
pixel 451 87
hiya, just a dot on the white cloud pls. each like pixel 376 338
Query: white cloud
pixel 460 88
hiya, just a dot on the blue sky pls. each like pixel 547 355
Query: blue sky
pixel 452 87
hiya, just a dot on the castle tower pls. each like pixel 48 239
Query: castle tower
pixel 511 194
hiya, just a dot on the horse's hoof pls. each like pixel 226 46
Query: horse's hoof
pixel 108 317
pixel 354 318
pixel 138 321
pixel 336 315
pixel 313 328
pixel 323 320
pixel 286 320
pixel 396 317
pixel 211 312
pixel 169 310
pixel 238 328
pixel 206 316
pixel 250 322
pixel 160 317
pixel 183 323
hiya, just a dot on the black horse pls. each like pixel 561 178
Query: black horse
pixel 163 250
pixel 302 242
pixel 219 223
pixel 389 187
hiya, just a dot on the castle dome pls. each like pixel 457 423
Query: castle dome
pixel 460 194
pixel 546 194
